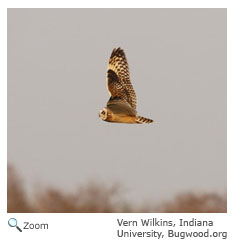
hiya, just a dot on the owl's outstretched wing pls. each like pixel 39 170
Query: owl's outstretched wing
pixel 119 84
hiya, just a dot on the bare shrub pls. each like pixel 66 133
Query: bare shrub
pixel 98 198
pixel 93 198
pixel 17 201
pixel 196 203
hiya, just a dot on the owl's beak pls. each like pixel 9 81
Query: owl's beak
pixel 99 114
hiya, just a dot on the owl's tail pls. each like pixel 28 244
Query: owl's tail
pixel 140 119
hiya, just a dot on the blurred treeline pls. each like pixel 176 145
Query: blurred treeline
pixel 97 198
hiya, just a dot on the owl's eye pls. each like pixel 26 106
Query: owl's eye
pixel 103 112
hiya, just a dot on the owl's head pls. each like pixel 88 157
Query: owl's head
pixel 103 113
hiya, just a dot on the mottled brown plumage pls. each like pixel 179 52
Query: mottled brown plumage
pixel 119 84
pixel 121 106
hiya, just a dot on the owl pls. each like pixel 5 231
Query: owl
pixel 121 107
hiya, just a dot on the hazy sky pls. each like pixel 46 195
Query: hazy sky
pixel 57 61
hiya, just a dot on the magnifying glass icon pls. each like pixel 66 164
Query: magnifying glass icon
pixel 12 222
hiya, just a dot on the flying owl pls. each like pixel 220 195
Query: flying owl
pixel 121 107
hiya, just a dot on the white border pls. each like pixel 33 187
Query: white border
pixel 101 228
